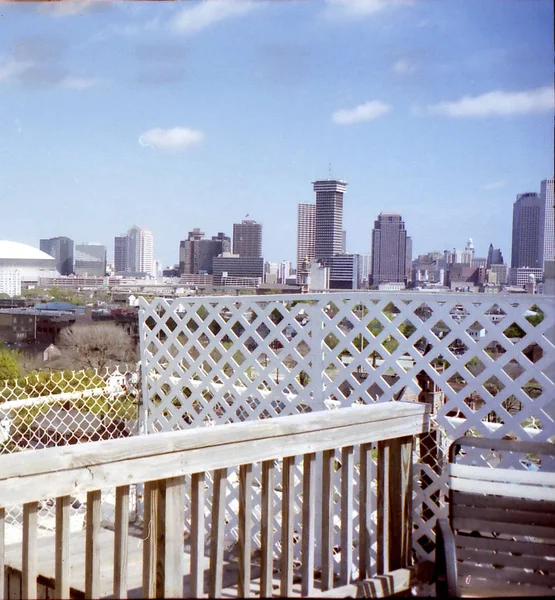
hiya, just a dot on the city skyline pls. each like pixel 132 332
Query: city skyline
pixel 439 111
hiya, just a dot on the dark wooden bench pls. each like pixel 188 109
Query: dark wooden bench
pixel 499 539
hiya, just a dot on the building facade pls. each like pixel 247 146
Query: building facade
pixel 528 232
pixel 306 225
pixel 389 249
pixel 90 260
pixel 121 254
pixel 547 220
pixel 495 256
pixel 233 266
pixel 61 248
pixel 196 253
pixel 140 251
pixel 247 239
pixel 328 232
pixel 344 271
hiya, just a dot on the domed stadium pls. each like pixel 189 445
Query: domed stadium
pixel 31 262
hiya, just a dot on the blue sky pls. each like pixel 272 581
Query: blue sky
pixel 174 115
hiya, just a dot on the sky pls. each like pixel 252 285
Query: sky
pixel 175 115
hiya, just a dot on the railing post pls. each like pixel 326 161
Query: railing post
pixel 394 504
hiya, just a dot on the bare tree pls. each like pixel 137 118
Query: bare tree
pixel 97 346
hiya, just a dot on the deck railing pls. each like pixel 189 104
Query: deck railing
pixel 169 463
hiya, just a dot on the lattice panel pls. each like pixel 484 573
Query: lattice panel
pixel 485 362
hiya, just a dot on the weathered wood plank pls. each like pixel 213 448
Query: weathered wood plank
pixel 121 532
pixel 245 527
pixel 197 535
pixel 383 586
pixel 160 538
pixel 328 463
pixel 503 527
pixel 489 501
pixel 173 539
pixel 514 490
pixel 507 445
pixel 287 522
pixel 506 574
pixel 486 557
pixel 308 519
pixel 267 529
pixel 544 478
pixel 365 510
pixel 53 460
pixel 92 550
pixel 29 570
pixel 507 515
pixel 149 539
pixel 346 514
pixel 500 545
pixel 217 534
pixel 63 508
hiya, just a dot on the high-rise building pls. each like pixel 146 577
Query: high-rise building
pixel 90 260
pixel 121 254
pixel 306 224
pixel 140 250
pixel 328 232
pixel 247 239
pixel 528 232
pixel 196 253
pixel 389 249
pixel 495 256
pixel 344 271
pixel 547 220
pixel 61 248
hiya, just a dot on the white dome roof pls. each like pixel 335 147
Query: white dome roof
pixel 15 250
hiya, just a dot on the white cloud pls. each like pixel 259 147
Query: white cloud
pixel 404 67
pixel 82 83
pixel 364 112
pixel 176 138
pixel 353 9
pixel 497 104
pixel 493 185
pixel 209 12
pixel 11 70
pixel 69 8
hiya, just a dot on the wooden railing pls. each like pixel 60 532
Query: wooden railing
pixel 164 460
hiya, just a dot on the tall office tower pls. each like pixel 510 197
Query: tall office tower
pixel 547 220
pixel 328 233
pixel 90 260
pixel 528 232
pixel 389 249
pixel 61 248
pixel 495 256
pixel 196 253
pixel 306 224
pixel 408 264
pixel 121 253
pixel 247 239
pixel 141 250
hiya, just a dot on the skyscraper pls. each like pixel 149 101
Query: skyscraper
pixel 547 221
pixel 389 249
pixel 306 224
pixel 328 233
pixel 90 260
pixel 528 232
pixel 140 250
pixel 196 254
pixel 121 253
pixel 61 248
pixel 495 256
pixel 247 239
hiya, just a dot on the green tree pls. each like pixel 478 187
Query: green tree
pixel 9 367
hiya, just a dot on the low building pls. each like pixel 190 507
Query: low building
pixel 228 266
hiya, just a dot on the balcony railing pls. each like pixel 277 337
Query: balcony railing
pixel 169 464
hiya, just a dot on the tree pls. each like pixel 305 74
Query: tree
pixel 97 346
pixel 9 367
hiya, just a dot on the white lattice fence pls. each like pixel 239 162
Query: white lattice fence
pixel 50 409
pixel 485 362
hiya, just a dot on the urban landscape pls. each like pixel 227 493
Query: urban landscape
pixel 308 348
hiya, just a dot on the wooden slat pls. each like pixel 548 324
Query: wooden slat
pixel 506 445
pixel 346 514
pixel 63 507
pixel 384 586
pixel 3 582
pixel 480 525
pixel 505 574
pixel 365 510
pixel 92 551
pixel 112 465
pixel 197 535
pixel 173 538
pixel 514 490
pixel 29 548
pixel 149 538
pixel 217 534
pixel 121 532
pixel 501 545
pixel 489 501
pixel 287 523
pixel 267 529
pixel 488 474
pixel 308 518
pixel 485 557
pixel 245 530
pixel 160 536
pixel 328 462
pixel 480 588
pixel 394 487
pixel 504 515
